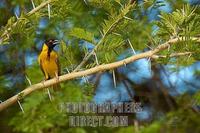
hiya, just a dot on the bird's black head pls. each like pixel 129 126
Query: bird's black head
pixel 51 43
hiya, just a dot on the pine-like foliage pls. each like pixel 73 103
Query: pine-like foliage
pixel 108 30
pixel 183 23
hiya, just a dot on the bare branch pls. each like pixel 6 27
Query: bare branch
pixel 172 55
pixel 28 14
pixel 40 7
pixel 90 71
pixel 87 57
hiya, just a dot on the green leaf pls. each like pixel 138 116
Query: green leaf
pixel 82 34
pixel 114 19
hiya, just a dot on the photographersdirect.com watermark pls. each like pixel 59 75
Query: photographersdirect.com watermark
pixel 94 121
pixel 105 114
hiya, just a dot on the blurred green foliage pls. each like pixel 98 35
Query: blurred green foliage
pixel 107 24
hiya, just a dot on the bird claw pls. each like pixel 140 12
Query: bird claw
pixel 57 78
pixel 43 81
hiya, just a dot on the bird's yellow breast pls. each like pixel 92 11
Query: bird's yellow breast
pixel 49 64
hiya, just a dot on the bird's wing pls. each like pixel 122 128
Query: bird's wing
pixel 41 67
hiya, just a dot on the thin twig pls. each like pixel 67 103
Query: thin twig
pixel 172 55
pixel 67 70
pixel 16 15
pixel 29 81
pixel 49 94
pixel 131 46
pixel 114 79
pixel 20 106
pixel 33 4
pixel 128 18
pixel 85 1
pixel 49 11
pixel 95 55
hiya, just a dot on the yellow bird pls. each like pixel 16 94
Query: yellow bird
pixel 48 60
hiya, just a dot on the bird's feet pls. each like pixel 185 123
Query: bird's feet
pixel 43 82
pixel 57 78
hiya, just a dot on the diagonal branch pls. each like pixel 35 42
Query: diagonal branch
pixel 39 7
pixel 90 71
pixel 172 55
pixel 6 32
pixel 112 26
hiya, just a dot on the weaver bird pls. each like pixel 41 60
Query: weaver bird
pixel 48 60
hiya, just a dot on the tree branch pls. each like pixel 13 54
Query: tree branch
pixel 90 71
pixel 86 58
pixel 6 32
pixel 39 7
pixel 172 55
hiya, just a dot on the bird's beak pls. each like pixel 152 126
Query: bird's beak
pixel 55 42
